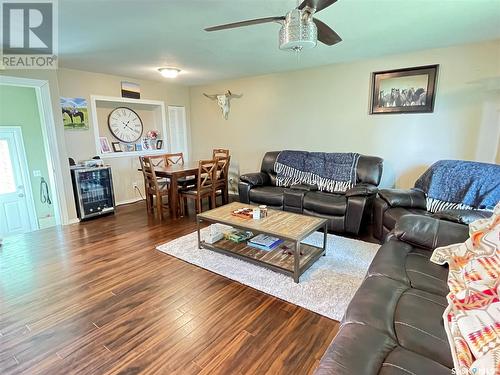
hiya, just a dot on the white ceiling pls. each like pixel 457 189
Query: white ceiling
pixel 134 37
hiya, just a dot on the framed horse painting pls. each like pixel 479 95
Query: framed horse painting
pixel 409 90
pixel 75 113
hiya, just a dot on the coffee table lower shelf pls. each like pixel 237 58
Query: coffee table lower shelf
pixel 278 260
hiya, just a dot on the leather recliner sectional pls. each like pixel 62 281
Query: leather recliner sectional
pixel 392 204
pixel 394 323
pixel 345 211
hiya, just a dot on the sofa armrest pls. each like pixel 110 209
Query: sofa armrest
pixel 462 216
pixel 304 187
pixel 428 232
pixel 412 198
pixel 363 190
pixel 256 179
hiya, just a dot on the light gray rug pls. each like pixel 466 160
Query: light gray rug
pixel 326 288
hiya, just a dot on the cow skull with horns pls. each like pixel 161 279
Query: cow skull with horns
pixel 223 101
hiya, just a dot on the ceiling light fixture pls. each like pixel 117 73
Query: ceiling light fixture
pixel 169 72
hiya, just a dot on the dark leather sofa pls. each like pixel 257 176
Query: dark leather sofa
pixel 392 204
pixel 394 323
pixel 345 212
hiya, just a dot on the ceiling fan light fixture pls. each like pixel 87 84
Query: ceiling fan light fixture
pixel 169 72
pixel 298 32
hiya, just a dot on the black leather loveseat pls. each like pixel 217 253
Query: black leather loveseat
pixel 394 323
pixel 345 212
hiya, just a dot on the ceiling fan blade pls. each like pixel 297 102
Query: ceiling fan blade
pixel 316 4
pixel 245 23
pixel 325 34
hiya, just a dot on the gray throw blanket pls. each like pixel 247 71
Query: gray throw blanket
pixel 333 172
pixel 458 184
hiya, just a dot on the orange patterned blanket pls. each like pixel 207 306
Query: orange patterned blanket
pixel 472 318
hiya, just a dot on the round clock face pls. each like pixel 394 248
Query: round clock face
pixel 125 124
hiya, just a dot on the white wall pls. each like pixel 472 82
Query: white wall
pixel 81 144
pixel 326 109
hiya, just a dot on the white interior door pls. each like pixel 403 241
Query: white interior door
pixel 17 214
pixel 178 130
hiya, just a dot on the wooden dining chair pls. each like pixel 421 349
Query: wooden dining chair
pixel 220 153
pixel 157 161
pixel 178 159
pixel 204 188
pixel 152 187
pixel 173 159
pixel 222 178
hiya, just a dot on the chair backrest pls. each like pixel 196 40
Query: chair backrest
pixel 206 174
pixel 157 160
pixel 173 159
pixel 148 171
pixel 220 153
pixel 222 172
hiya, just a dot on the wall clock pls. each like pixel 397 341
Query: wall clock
pixel 125 124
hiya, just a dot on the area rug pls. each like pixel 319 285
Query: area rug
pixel 326 288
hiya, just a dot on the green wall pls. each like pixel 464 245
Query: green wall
pixel 19 107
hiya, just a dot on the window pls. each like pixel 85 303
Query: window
pixel 7 182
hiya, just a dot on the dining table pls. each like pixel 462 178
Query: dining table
pixel 173 173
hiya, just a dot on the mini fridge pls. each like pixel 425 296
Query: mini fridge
pixel 93 191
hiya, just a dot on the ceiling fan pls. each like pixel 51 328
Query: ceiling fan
pixel 299 29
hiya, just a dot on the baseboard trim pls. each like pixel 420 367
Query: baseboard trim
pixel 129 201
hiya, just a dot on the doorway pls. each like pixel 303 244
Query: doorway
pixel 44 167
pixel 17 209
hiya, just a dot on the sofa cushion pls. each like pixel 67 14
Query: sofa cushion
pixel 409 265
pixel 426 275
pixel 405 362
pixel 412 318
pixel 270 195
pixel 374 303
pixel 419 326
pixel 363 347
pixel 392 215
pixel 462 216
pixel 325 203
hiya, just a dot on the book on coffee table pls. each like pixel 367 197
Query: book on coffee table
pixel 264 242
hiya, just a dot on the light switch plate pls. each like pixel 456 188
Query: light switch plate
pixel 37 173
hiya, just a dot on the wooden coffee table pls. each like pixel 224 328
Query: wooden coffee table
pixel 290 227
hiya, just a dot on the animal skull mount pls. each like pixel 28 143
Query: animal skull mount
pixel 224 101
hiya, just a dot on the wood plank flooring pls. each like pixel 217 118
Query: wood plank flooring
pixel 97 298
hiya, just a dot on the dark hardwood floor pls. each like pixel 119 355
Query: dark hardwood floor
pixel 97 298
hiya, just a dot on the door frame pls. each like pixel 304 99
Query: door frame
pixel 25 173
pixel 52 150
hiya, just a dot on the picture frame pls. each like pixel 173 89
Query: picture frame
pixel 159 144
pixel 146 144
pixel 116 146
pixel 131 90
pixel 138 147
pixel 129 147
pixel 408 90
pixel 74 113
pixel 105 147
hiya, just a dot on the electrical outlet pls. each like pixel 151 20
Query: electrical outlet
pixel 134 185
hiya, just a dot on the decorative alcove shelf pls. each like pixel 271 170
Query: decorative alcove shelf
pixel 151 112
